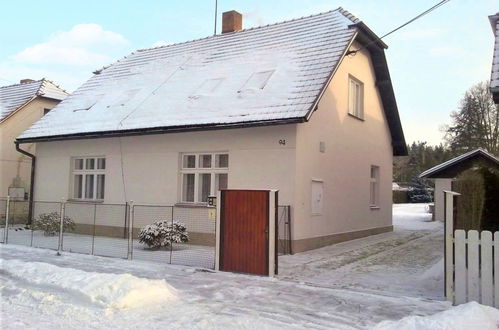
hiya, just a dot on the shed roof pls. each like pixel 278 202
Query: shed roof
pixel 13 97
pixel 451 168
pixel 267 75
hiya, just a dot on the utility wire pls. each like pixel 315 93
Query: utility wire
pixel 441 3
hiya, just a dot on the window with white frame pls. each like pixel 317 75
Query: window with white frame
pixel 88 178
pixel 202 175
pixel 374 187
pixel 355 97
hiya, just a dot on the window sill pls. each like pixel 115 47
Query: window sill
pixel 373 207
pixel 356 117
pixel 193 205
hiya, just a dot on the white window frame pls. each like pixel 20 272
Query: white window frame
pixel 374 186
pixel 95 172
pixel 355 101
pixel 197 171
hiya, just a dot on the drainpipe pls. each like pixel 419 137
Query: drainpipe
pixel 32 183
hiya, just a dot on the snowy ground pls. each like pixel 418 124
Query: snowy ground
pixel 407 261
pixel 180 254
pixel 353 285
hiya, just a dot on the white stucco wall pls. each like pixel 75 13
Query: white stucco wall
pixel 151 163
pixel 352 146
pixel 439 197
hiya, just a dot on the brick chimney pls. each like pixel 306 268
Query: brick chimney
pixel 25 81
pixel 232 21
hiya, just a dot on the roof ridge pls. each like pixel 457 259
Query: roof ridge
pixel 27 83
pixel 242 30
pixel 339 9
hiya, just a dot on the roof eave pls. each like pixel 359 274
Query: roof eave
pixel 385 87
pixel 362 27
pixel 160 130
pixel 432 172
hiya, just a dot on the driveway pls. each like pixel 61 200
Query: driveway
pixel 407 261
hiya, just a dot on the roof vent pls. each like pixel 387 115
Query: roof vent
pixel 232 21
pixel 25 81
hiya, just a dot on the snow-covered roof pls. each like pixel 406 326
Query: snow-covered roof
pixel 454 161
pixel 267 73
pixel 260 76
pixel 13 97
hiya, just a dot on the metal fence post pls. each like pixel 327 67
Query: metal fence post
pixel 130 231
pixel 61 226
pixel 6 230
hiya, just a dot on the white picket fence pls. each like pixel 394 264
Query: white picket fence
pixel 471 262
pixel 476 257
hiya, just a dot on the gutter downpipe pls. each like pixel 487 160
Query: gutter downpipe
pixel 32 180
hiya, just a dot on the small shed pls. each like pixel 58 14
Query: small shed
pixel 445 176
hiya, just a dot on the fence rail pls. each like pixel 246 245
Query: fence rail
pixel 112 230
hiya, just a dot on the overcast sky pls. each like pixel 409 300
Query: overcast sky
pixel 432 61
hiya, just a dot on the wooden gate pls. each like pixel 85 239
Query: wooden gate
pixel 247 231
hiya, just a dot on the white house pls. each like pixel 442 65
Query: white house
pixel 305 106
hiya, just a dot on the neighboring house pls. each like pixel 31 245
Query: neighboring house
pixel 304 106
pixel 494 76
pixel 446 173
pixel 20 106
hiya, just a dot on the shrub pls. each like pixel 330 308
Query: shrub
pixel 419 192
pixel 50 223
pixel 163 233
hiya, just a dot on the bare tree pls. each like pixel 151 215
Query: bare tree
pixel 475 124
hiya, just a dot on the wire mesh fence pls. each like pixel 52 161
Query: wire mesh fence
pixel 114 230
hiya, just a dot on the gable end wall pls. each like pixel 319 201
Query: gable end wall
pixel 351 147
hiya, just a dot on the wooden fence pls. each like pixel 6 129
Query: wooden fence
pixel 471 262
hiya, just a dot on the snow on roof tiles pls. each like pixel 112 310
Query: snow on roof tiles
pixel 163 87
pixel 494 76
pixel 14 96
pixel 458 159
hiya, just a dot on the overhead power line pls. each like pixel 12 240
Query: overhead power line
pixel 429 10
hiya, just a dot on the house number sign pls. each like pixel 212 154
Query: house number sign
pixel 282 142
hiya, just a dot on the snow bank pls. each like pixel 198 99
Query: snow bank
pixel 111 291
pixel 467 316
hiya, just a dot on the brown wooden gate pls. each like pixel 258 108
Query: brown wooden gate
pixel 244 231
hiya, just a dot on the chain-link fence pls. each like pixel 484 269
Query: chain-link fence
pixel 183 235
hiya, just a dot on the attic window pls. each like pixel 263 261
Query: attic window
pixel 257 80
pixel 207 87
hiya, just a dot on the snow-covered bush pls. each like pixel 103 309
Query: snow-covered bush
pixel 163 233
pixel 50 223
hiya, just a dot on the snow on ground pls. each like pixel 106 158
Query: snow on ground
pixel 185 254
pixel 407 261
pixel 463 317
pixel 352 285
pixel 113 291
